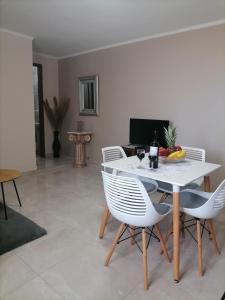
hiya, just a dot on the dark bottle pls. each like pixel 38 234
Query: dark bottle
pixel 154 152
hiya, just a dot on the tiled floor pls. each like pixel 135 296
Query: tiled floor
pixel 67 263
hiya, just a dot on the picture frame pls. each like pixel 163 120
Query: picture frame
pixel 88 95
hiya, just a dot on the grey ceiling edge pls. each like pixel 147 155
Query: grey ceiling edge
pixel 191 28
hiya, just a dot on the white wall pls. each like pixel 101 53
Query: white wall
pixel 17 136
pixel 50 89
pixel 179 77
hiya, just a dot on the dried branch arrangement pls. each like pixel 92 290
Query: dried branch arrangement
pixel 57 112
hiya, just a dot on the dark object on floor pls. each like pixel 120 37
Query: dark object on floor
pixel 56 114
pixel 56 146
pixel 17 231
pixel 223 297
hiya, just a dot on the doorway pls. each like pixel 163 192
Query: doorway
pixel 38 110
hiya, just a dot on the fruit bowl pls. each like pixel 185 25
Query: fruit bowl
pixel 172 155
pixel 165 159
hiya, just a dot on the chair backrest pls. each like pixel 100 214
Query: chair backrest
pixel 128 200
pixel 112 153
pixel 218 197
pixel 194 153
pixel 213 205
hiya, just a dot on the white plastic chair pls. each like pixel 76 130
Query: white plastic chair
pixel 191 153
pixel 113 153
pixel 116 152
pixel 206 206
pixel 129 202
pixel 194 153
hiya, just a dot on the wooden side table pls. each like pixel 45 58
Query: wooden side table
pixel 79 139
pixel 5 176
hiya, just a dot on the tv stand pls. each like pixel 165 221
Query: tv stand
pixel 131 149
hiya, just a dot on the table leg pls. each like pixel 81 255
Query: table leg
pixel 207 187
pixel 115 172
pixel 176 233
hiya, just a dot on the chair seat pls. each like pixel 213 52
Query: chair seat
pixel 165 187
pixel 191 199
pixel 150 185
pixel 162 208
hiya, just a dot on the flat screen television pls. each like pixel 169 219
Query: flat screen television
pixel 142 131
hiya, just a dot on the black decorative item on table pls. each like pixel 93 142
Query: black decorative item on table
pixel 154 152
pixel 140 154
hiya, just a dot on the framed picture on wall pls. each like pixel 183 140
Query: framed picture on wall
pixel 88 95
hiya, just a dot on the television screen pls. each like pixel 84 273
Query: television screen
pixel 142 131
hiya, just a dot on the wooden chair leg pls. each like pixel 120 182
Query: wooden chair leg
pixel 104 221
pixel 132 232
pixel 163 198
pixel 210 235
pixel 145 258
pixel 116 239
pixel 170 231
pixel 199 239
pixel 162 242
pixel 213 234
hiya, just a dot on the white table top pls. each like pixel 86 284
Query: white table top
pixel 179 174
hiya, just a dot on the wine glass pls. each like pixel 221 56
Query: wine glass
pixel 140 154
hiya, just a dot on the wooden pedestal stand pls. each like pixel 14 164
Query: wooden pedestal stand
pixel 79 139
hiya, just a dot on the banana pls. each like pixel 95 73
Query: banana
pixel 172 155
pixel 177 154
pixel 181 154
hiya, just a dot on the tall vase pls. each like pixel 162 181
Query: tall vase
pixel 56 145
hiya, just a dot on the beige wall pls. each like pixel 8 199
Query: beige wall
pixel 179 77
pixel 17 139
pixel 50 89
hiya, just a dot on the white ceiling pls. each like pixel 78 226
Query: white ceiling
pixel 64 27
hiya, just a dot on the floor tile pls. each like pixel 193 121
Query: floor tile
pixel 43 253
pixel 35 289
pixel 84 276
pixel 14 273
pixel 158 294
